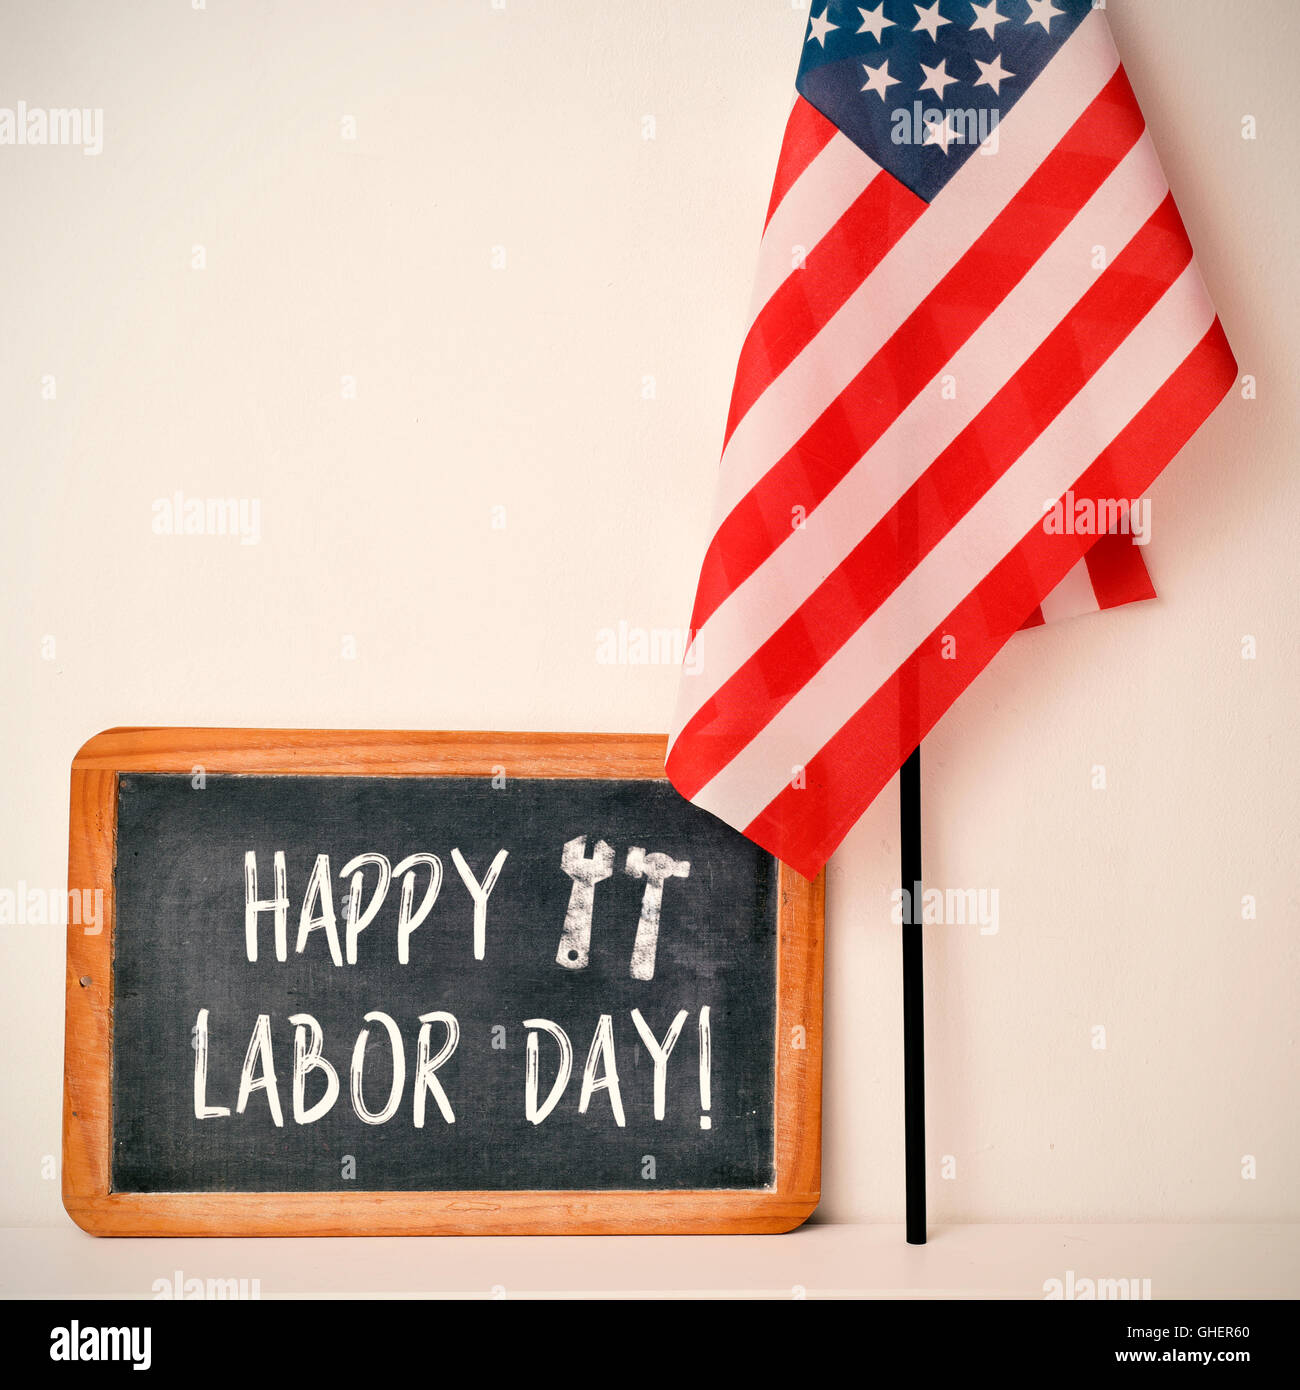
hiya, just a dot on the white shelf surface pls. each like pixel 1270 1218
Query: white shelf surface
pixel 817 1261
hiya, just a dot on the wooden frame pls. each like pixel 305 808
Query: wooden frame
pixel 87 1100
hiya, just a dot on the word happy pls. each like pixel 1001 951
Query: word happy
pixel 318 912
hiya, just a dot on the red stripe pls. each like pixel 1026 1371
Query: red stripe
pixel 804 826
pixel 807 133
pixel 1035 619
pixel 809 298
pixel 1114 305
pixel 966 296
pixel 1118 572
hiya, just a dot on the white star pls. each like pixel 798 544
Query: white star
pixel 878 79
pixel 987 18
pixel 992 74
pixel 940 133
pixel 1043 12
pixel 936 79
pixel 929 20
pixel 874 21
pixel 820 26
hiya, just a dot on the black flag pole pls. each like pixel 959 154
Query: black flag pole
pixel 909 806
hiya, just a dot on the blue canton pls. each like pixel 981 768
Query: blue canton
pixel 919 86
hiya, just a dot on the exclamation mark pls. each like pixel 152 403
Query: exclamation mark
pixel 706 1067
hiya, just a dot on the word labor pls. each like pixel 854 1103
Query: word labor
pixel 318 912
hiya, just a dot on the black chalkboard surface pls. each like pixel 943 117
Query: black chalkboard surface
pixel 181 957
pixel 454 980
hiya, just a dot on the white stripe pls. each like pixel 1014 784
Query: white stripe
pixel 956 566
pixel 813 204
pixel 916 263
pixel 753 611
pixel 1072 596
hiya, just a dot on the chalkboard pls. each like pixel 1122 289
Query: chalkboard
pixel 430 983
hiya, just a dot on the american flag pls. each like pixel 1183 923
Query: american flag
pixel 975 299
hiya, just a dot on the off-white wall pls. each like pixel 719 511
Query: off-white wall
pixel 626 258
